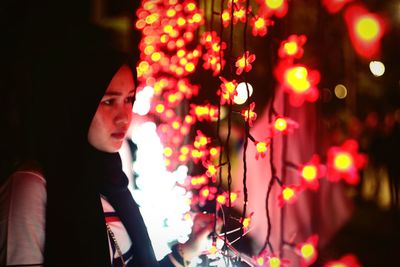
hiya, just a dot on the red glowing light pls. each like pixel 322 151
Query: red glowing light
pixel 227 90
pixel 246 222
pixel 311 172
pixel 365 29
pixel 249 115
pixel 288 195
pixel 334 6
pixel 348 260
pixel 344 162
pixel 308 251
pixel 299 82
pixel 243 63
pixel 260 26
pixel 262 148
pixel 207 112
pixel 211 169
pixel 276 8
pixel 292 47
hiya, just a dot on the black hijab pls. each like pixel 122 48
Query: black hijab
pixel 69 80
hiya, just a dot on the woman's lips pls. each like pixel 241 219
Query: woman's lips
pixel 118 136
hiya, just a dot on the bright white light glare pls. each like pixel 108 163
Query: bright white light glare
pixel 161 202
pixel 241 89
pixel 377 68
pixel 340 91
pixel 148 91
pixel 143 101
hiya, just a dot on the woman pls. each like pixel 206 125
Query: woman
pixel 70 206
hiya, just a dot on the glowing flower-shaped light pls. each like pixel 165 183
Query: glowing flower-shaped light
pixel 268 259
pixel 276 8
pixel 262 148
pixel 308 251
pixel 243 63
pixel 299 82
pixel 288 195
pixel 260 26
pixel 249 115
pixel 223 198
pixel 284 125
pixel 227 90
pixel 292 47
pixel 201 140
pixel 198 181
pixel 365 29
pixel 207 193
pixel 211 169
pixel 246 222
pixel 311 172
pixel 206 112
pixel 344 162
pixel 348 260
pixel 226 18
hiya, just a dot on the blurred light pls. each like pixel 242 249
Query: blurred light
pixel 241 90
pixel 377 68
pixel 367 28
pixel 274 4
pixel 142 103
pixel 296 78
pixel 340 91
pixel 309 172
pixel 343 161
pixel 307 251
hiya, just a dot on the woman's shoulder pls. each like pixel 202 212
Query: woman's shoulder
pixel 26 178
pixel 29 171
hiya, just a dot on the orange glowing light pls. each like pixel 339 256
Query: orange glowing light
pixel 343 161
pixel 261 149
pixel 213 151
pixel 156 56
pixel 212 170
pixel 190 6
pixel 213 249
pixel 168 151
pixel 171 12
pixel 160 108
pixel 259 23
pixel 274 262
pixel 176 125
pixel 221 199
pixel 168 29
pixel 233 196
pixel 307 251
pixel 243 63
pixel 260 260
pixel 185 150
pixel 274 4
pixel 309 172
pixel 287 193
pixel 152 18
pixel 291 48
pixel 367 28
pixel 205 192
pixel 181 21
pixel 226 17
pixel 296 78
pixel 280 124
pixel 190 67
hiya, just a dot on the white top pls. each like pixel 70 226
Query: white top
pixel 22 222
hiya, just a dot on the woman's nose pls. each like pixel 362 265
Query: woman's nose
pixel 123 116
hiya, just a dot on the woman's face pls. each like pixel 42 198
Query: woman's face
pixel 114 113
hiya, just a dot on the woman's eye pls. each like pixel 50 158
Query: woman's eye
pixel 130 99
pixel 108 102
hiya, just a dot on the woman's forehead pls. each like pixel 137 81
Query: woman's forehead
pixel 121 82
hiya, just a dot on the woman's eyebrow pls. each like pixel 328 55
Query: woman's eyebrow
pixel 117 93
